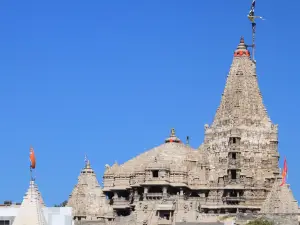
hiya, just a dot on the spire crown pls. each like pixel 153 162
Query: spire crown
pixel 172 137
pixel 241 49
pixel 87 168
pixel 88 164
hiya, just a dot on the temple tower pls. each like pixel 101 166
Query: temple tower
pixel 87 198
pixel 242 142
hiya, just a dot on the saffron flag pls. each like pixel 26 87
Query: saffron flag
pixel 32 158
pixel 251 15
pixel 284 172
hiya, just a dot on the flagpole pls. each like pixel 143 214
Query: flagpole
pixel 252 18
pixel 253 40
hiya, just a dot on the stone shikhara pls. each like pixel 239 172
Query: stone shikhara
pixel 234 172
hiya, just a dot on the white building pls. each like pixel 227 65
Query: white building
pixel 32 211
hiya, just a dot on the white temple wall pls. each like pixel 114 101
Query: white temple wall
pixel 53 215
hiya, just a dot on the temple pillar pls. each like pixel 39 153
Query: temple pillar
pixel 145 191
pixel 181 191
pixel 115 195
pixel 165 190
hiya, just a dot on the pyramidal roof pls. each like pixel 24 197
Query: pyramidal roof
pixel 31 212
pixel 241 99
pixel 87 197
pixel 280 200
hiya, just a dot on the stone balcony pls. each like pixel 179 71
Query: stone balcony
pixel 154 195
pixel 157 181
pixel 233 181
pixel 162 221
pixel 120 203
pixel 158 194
pixel 234 199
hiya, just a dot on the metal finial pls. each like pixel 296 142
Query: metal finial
pixel 187 140
pixel 242 40
pixel 172 132
pixel 88 164
pixel 86 161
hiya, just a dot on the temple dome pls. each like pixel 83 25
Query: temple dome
pixel 173 151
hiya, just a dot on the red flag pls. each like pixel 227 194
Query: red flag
pixel 32 158
pixel 284 172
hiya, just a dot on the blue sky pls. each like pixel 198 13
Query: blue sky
pixel 111 78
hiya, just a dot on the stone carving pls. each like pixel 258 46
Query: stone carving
pixel 87 197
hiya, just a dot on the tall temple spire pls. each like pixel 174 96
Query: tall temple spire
pixel 31 212
pixel 241 99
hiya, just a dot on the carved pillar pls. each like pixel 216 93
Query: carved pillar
pixel 181 191
pixel 165 190
pixel 115 195
pixel 146 190
pixel 135 193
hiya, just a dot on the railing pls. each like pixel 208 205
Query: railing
pixel 162 221
pixel 234 199
pixel 154 195
pixel 121 202
pixel 234 181
pixel 150 178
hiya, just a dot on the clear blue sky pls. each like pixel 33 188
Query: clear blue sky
pixel 111 78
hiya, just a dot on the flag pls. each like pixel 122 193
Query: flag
pixel 32 158
pixel 284 172
pixel 251 12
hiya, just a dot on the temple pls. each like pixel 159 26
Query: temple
pixel 234 172
pixel 87 198
pixel 31 212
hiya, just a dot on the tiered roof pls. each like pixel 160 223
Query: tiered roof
pixel 87 198
pixel 31 212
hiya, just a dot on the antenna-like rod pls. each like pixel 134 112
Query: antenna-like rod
pixel 252 17
pixel 253 40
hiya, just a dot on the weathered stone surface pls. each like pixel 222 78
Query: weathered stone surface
pixel 280 200
pixel 234 172
pixel 87 198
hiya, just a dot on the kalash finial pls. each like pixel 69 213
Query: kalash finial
pixel 87 163
pixel 242 40
pixel 241 49
pixel 173 132
pixel 172 137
